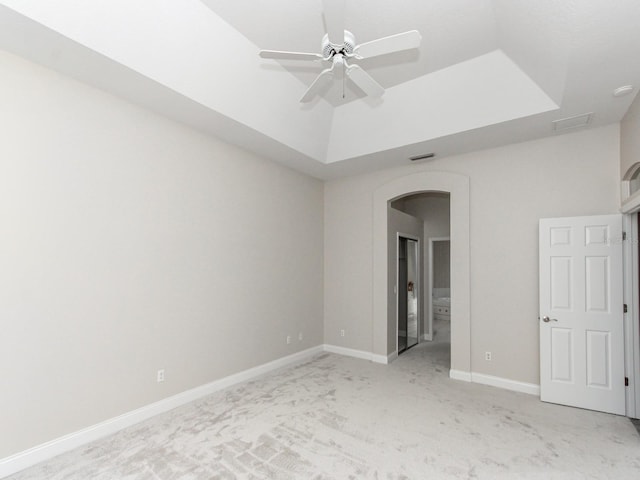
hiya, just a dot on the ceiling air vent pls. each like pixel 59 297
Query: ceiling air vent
pixel 422 157
pixel 570 123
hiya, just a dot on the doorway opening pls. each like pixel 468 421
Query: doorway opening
pixel 424 217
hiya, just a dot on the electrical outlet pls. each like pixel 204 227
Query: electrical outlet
pixel 160 376
pixel 288 339
pixel 342 333
pixel 300 337
pixel 487 356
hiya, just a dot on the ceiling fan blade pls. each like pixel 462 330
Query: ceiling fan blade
pixel 279 55
pixel 318 84
pixel 334 19
pixel 364 81
pixel 391 44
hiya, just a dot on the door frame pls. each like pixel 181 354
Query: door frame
pixel 630 209
pixel 419 283
pixel 631 297
pixel 429 336
pixel 418 182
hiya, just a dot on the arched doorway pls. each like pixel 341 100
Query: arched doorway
pixel 631 181
pixel 384 334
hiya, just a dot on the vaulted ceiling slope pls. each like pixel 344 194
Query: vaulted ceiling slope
pixel 488 72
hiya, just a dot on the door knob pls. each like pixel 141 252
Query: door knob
pixel 547 319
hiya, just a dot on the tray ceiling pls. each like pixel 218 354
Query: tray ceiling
pixel 488 73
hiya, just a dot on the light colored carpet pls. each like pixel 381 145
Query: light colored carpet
pixel 339 417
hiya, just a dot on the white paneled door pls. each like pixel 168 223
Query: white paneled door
pixel 581 313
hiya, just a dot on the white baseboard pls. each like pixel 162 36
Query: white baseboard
pixel 27 458
pixel 392 356
pixel 383 359
pixel 505 383
pixel 351 352
pixel 460 375
pixel 529 388
pixel 427 337
pixel 348 352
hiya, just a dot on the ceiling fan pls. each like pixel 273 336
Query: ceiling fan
pixel 339 47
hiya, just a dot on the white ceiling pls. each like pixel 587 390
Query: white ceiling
pixel 488 73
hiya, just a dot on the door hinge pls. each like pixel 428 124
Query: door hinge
pixel 624 308
pixel 626 381
pixel 624 236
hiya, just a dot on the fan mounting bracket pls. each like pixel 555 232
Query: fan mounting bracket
pixel 346 49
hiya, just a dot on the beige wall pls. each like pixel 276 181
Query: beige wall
pixel 511 188
pixel 441 264
pixel 630 137
pixel 131 243
pixel 433 209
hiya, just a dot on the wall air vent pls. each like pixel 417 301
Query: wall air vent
pixel 422 157
pixel 570 123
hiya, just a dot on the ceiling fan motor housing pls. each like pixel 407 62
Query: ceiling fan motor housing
pixel 329 50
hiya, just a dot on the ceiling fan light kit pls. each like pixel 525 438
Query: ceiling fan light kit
pixel 339 47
